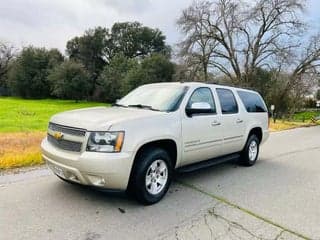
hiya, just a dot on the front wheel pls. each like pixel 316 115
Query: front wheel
pixel 250 152
pixel 152 175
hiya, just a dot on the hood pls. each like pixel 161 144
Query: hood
pixel 100 118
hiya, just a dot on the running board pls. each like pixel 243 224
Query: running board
pixel 207 163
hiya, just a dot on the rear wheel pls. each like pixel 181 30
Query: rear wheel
pixel 250 152
pixel 151 176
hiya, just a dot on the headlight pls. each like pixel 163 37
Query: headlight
pixel 105 141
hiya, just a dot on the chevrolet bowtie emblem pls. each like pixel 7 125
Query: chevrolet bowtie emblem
pixel 58 135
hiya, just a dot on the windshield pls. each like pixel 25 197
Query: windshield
pixel 155 97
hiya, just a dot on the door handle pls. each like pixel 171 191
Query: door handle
pixel 239 121
pixel 213 124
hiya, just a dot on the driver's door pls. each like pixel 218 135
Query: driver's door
pixel 201 132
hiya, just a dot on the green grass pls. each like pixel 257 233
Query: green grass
pixel 305 116
pixel 20 115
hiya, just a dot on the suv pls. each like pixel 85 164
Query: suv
pixel 138 143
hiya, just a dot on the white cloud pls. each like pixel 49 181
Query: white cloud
pixel 128 5
pixel 51 23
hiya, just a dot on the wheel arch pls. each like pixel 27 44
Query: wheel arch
pixel 167 144
pixel 256 131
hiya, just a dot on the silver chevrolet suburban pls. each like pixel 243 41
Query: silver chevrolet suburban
pixel 155 130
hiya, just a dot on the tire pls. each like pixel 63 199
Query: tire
pixel 250 153
pixel 152 167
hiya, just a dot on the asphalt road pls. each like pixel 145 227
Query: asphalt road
pixel 278 198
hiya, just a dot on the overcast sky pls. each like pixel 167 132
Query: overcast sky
pixel 50 23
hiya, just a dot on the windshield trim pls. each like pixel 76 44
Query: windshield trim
pixel 178 103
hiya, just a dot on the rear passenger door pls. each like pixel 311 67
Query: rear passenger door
pixel 233 121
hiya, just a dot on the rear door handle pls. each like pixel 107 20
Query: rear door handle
pixel 239 120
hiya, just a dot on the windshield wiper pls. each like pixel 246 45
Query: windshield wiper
pixel 143 107
pixel 118 105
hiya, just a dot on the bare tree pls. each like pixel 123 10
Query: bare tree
pixel 308 63
pixel 306 68
pixel 259 44
pixel 196 48
pixel 243 36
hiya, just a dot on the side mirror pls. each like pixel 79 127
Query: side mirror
pixel 198 108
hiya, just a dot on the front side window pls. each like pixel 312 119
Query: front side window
pixel 202 95
pixel 227 101
pixel 252 101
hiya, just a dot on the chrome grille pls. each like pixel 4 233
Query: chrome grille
pixel 67 130
pixel 65 144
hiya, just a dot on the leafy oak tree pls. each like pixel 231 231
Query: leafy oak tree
pixel 90 50
pixel 97 47
pixel 132 39
pixel 113 78
pixel 155 68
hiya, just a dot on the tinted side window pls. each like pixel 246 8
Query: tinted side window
pixel 252 101
pixel 202 94
pixel 227 100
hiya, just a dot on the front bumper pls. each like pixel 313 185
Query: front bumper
pixel 103 170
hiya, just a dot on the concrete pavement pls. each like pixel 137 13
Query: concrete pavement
pixel 283 186
pixel 276 199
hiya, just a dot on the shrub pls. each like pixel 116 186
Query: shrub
pixel 29 71
pixel 70 80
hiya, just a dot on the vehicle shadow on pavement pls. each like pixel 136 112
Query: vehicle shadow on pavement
pixel 94 194
pixel 100 196
pixel 219 169
pixel 86 196
pixel 262 171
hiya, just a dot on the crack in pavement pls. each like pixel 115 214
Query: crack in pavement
pixel 264 219
pixel 279 235
pixel 185 221
pixel 206 222
pixel 220 228
pixel 233 224
pixel 193 218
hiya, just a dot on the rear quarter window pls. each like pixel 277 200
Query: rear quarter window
pixel 252 101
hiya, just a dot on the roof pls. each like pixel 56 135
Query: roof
pixel 198 84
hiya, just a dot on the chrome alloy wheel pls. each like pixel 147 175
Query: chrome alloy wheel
pixel 253 150
pixel 156 177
